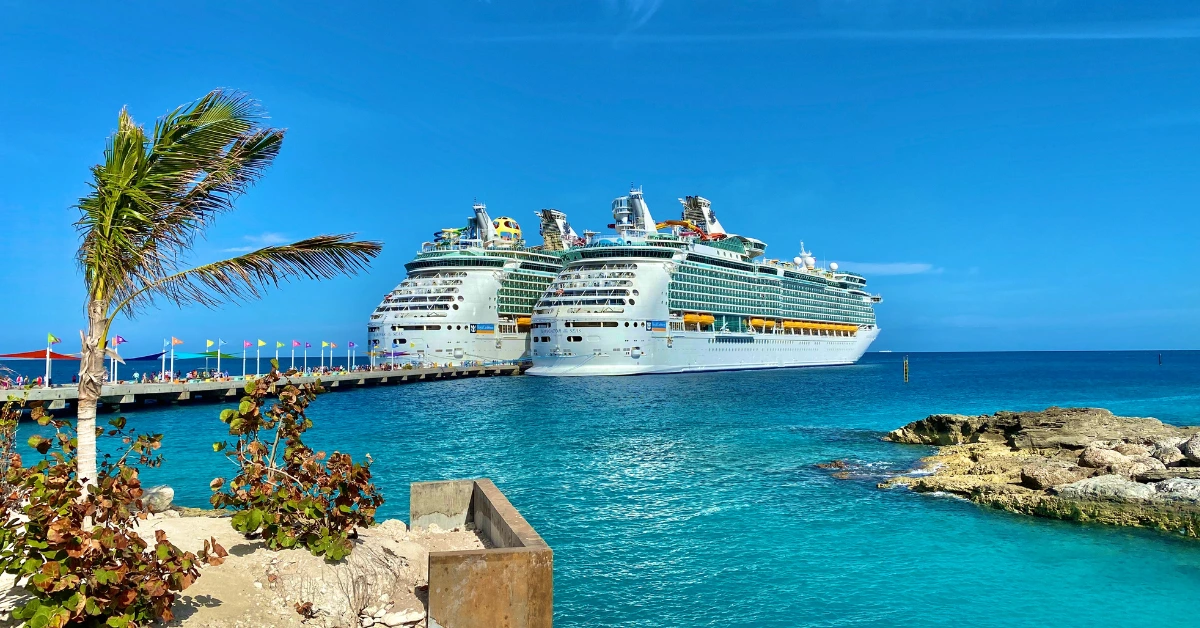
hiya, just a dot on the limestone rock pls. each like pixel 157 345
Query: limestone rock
pixel 1097 458
pixel 157 498
pixel 1106 487
pixel 1179 490
pixel 1043 475
pixel 401 618
pixel 1187 473
pixel 1168 454
pixel 1191 448
pixel 394 528
pixel 1131 449
pixel 1071 428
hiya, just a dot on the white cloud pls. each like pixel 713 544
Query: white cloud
pixel 255 242
pixel 890 268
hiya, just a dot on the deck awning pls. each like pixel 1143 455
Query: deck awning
pixel 39 354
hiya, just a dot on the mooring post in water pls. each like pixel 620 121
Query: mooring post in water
pixel 1160 359
pixel 905 369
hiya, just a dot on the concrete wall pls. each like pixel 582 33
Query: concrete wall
pixel 510 585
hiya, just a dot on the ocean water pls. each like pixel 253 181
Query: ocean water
pixel 693 500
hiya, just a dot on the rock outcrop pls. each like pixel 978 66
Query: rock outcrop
pixel 1082 464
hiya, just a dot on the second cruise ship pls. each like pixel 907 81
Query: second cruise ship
pixel 469 294
pixel 694 298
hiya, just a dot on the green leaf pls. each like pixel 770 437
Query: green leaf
pixel 227 414
pixel 246 405
pixel 219 447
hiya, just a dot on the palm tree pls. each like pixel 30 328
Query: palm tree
pixel 150 200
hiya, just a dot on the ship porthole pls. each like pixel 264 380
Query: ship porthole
pixel 456 306
pixel 631 302
pixel 627 323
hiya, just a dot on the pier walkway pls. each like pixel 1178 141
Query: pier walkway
pixel 125 397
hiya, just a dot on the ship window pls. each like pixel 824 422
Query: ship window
pixel 610 323
pixel 574 338
pixel 545 338
pixel 631 301
pixel 401 341
pixel 627 323
pixel 456 306
pixel 433 327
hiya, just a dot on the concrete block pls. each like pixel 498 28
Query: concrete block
pixel 446 504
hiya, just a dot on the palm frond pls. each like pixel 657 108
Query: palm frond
pixel 153 196
pixel 247 276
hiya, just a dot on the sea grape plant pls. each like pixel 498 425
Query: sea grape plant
pixel 76 549
pixel 285 492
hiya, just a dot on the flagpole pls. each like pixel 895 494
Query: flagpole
pixel 293 365
pixel 172 359
pixel 257 361
pixel 243 360
pixel 306 356
pixel 47 380
pixel 164 364
pixel 219 343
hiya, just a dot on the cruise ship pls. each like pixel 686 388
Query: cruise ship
pixel 684 295
pixel 468 295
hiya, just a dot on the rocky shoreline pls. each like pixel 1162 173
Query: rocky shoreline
pixel 1079 464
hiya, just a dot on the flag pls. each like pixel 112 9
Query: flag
pixel 278 345
pixel 176 341
pixel 208 343
pixel 117 340
pixel 308 345
pixel 51 339
pixel 333 345
pixel 351 345
pixel 246 344
pixel 324 344
pixel 262 343
pixel 295 343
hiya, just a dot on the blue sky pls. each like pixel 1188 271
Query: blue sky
pixel 1009 175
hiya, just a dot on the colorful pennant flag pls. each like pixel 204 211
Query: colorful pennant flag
pixel 262 343
pixel 308 345
pixel 208 343
pixel 351 345
pixel 278 345
pixel 51 339
pixel 176 341
pixel 295 343
pixel 117 340
pixel 246 344
pixel 333 345
pixel 324 344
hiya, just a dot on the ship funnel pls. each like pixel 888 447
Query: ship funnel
pixel 632 213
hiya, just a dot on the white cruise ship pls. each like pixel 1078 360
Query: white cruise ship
pixel 685 296
pixel 468 294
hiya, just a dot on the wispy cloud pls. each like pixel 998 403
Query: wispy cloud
pixel 255 242
pixel 891 268
pixel 638 11
pixel 1146 31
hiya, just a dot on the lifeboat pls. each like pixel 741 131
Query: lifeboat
pixel 524 321
pixel 759 322
pixel 702 319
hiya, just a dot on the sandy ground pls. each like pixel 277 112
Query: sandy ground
pixel 385 578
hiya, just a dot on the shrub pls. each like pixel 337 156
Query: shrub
pixel 285 492
pixel 78 553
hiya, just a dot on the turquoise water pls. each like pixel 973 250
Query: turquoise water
pixel 692 500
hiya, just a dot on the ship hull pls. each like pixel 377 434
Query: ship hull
pixel 689 352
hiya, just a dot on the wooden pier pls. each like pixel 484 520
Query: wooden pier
pixel 125 397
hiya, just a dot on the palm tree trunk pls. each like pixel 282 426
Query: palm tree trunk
pixel 91 378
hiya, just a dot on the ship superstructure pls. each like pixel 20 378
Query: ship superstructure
pixel 685 295
pixel 469 293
